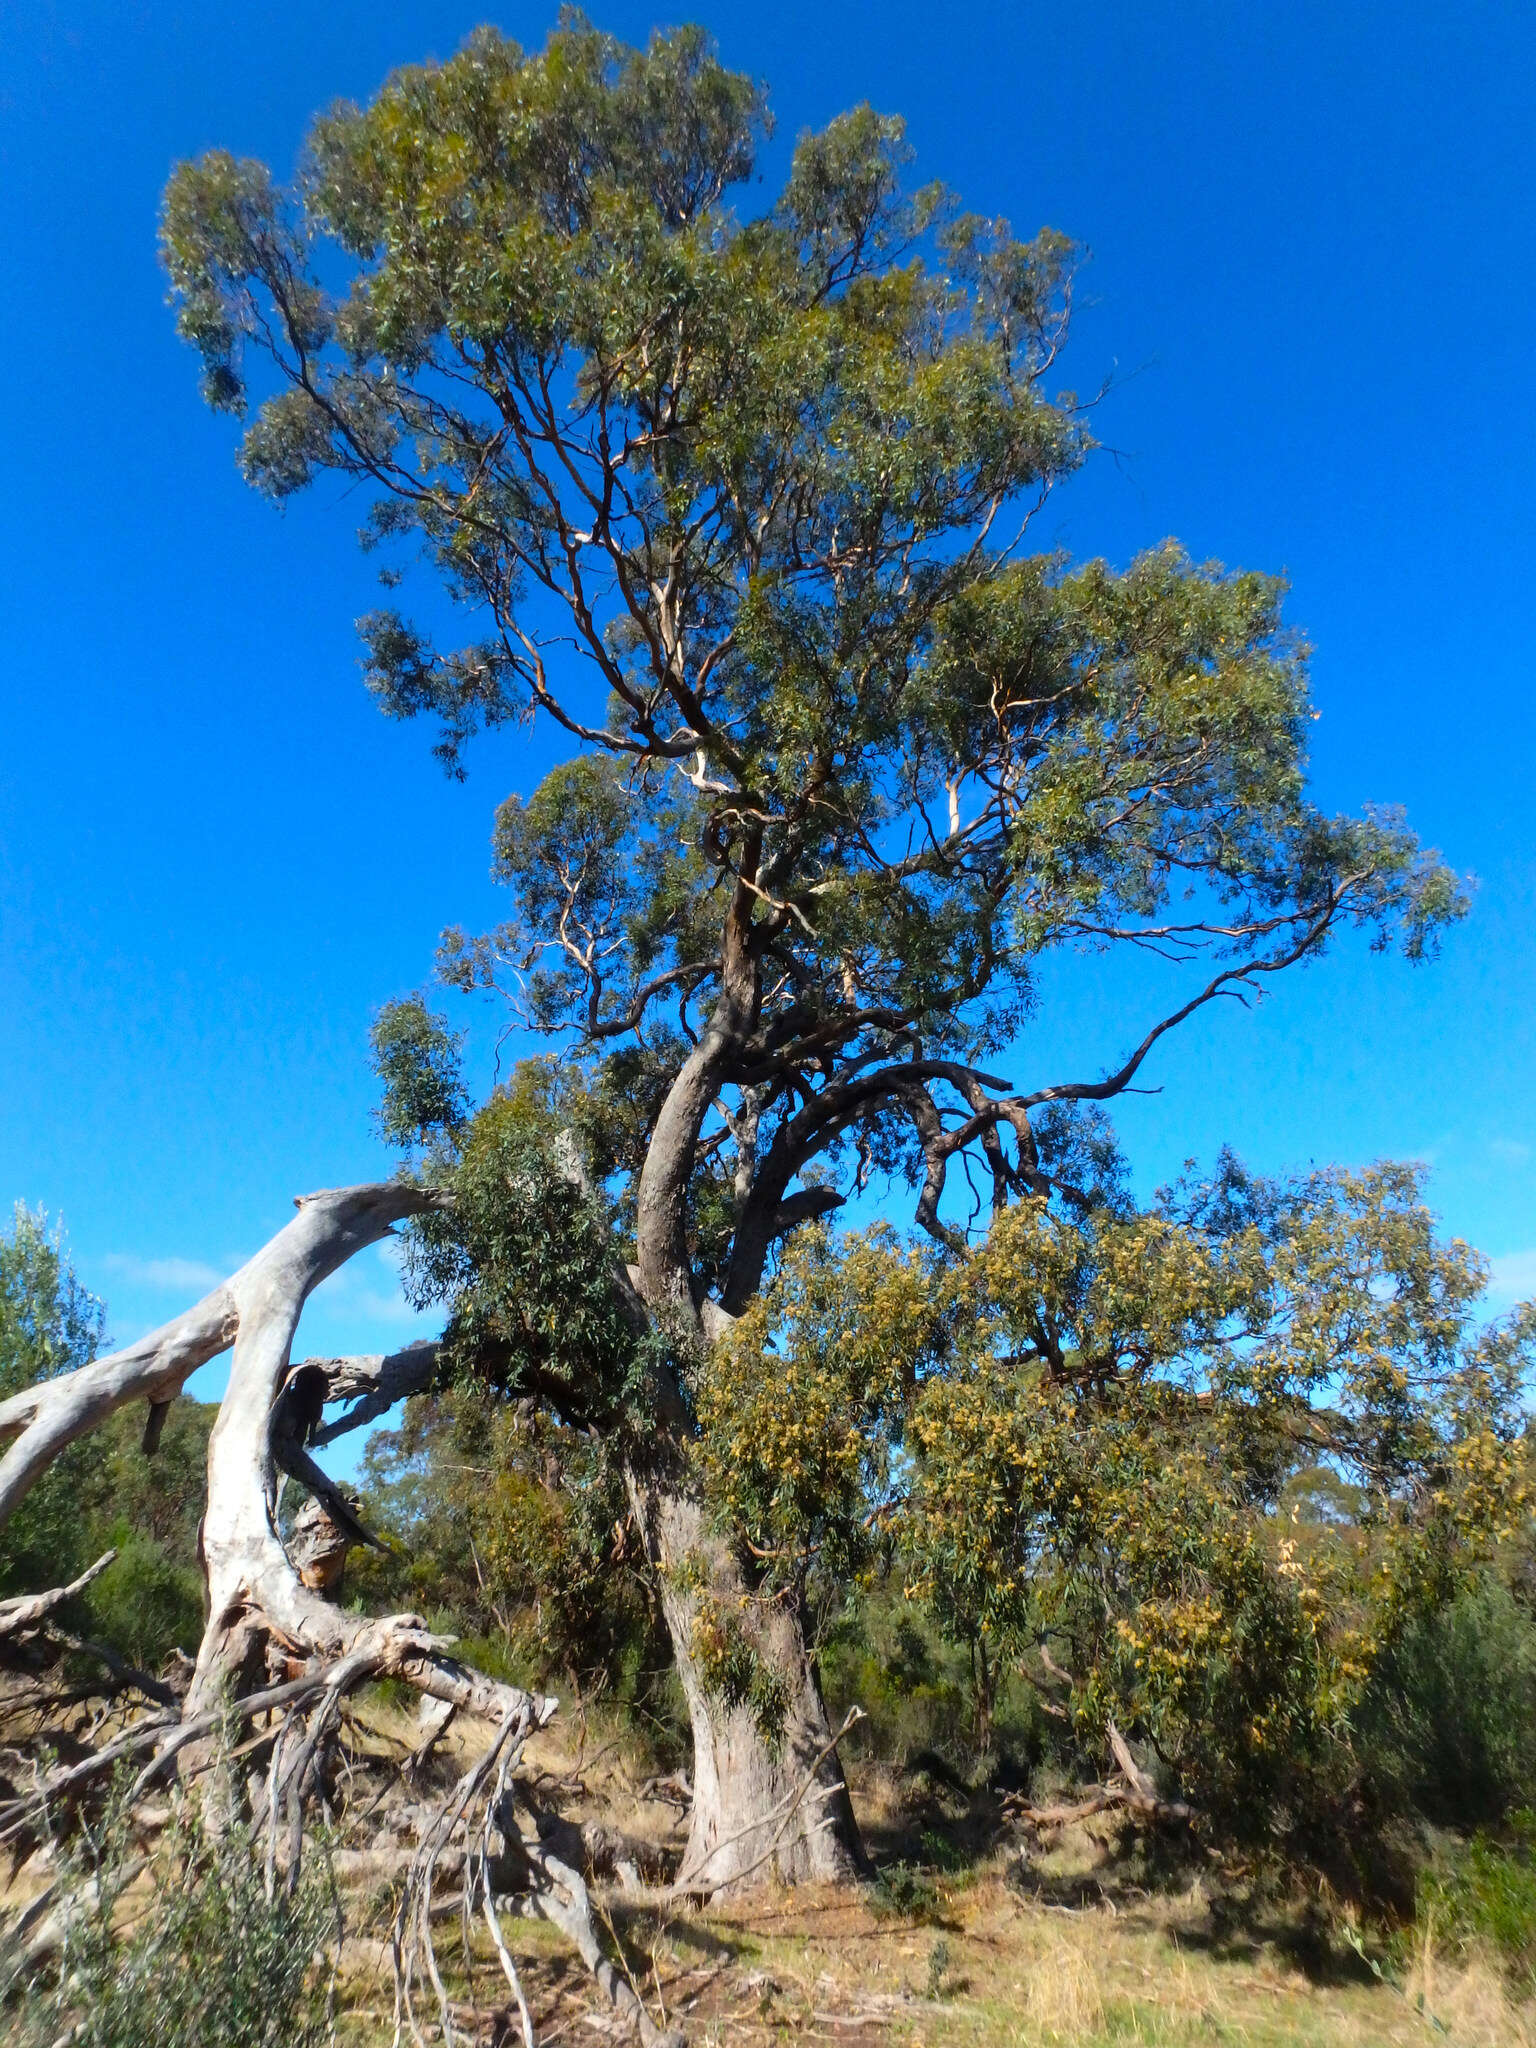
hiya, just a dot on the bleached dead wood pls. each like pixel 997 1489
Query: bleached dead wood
pixel 372 1383
pixel 258 1603
pixel 329 1228
pixel 265 1623
pixel 30 1610
pixel 1097 1799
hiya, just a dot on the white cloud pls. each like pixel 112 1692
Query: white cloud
pixel 1512 1278
pixel 366 1293
pixel 1510 1151
pixel 184 1276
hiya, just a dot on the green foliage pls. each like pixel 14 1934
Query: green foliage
pixel 863 759
pixel 102 1492
pixel 108 1495
pixel 49 1323
pixel 148 1602
pixel 1103 1467
pixel 514 1528
pixel 1201 1471
pixel 801 1406
pixel 541 1254
pixel 1484 1895
pixel 901 1891
pixel 1447 1726
pixel 529 1269
pixel 735 1671
pixel 848 764
pixel 939 1960
pixel 416 1059
pixel 205 1957
pixel 884 1654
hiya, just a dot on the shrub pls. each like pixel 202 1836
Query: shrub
pixel 885 1653
pixel 903 1892
pixel 148 1602
pixel 1485 1897
pixel 938 1969
pixel 1449 1725
pixel 208 1958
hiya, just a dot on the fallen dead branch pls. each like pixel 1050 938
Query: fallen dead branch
pixel 22 1615
pixel 278 1659
pixel 672 1790
pixel 1100 1799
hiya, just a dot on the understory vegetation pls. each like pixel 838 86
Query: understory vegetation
pixel 185 1945
pixel 105 1494
pixel 508 1531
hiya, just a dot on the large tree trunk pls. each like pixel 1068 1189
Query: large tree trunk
pixel 767 1800
pixel 769 1792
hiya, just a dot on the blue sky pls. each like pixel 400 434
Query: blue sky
pixel 1313 235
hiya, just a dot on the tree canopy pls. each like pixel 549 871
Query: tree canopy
pixel 742 505
pixel 1191 1469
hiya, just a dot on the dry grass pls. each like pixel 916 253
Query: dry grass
pixel 1061 1999
pixel 1027 1976
pixel 817 1965
pixel 1467 1999
pixel 1113 1967
pixel 1082 1962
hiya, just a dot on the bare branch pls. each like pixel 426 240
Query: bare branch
pixel 373 1383
pixel 31 1609
pixel 328 1229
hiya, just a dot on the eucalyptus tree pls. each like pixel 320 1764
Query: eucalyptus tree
pixel 49 1324
pixel 739 502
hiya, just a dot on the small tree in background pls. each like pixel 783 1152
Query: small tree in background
pixel 108 1494
pixel 741 505
pixel 1198 1469
pixel 49 1323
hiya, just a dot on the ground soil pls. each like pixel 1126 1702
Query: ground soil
pixel 978 1936
pixel 1060 1947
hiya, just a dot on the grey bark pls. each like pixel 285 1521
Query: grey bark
pixel 766 1802
pixel 259 1606
pixel 743 1773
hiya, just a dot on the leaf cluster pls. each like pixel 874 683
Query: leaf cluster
pixel 1192 1470
pixel 514 1525
pixel 523 1252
